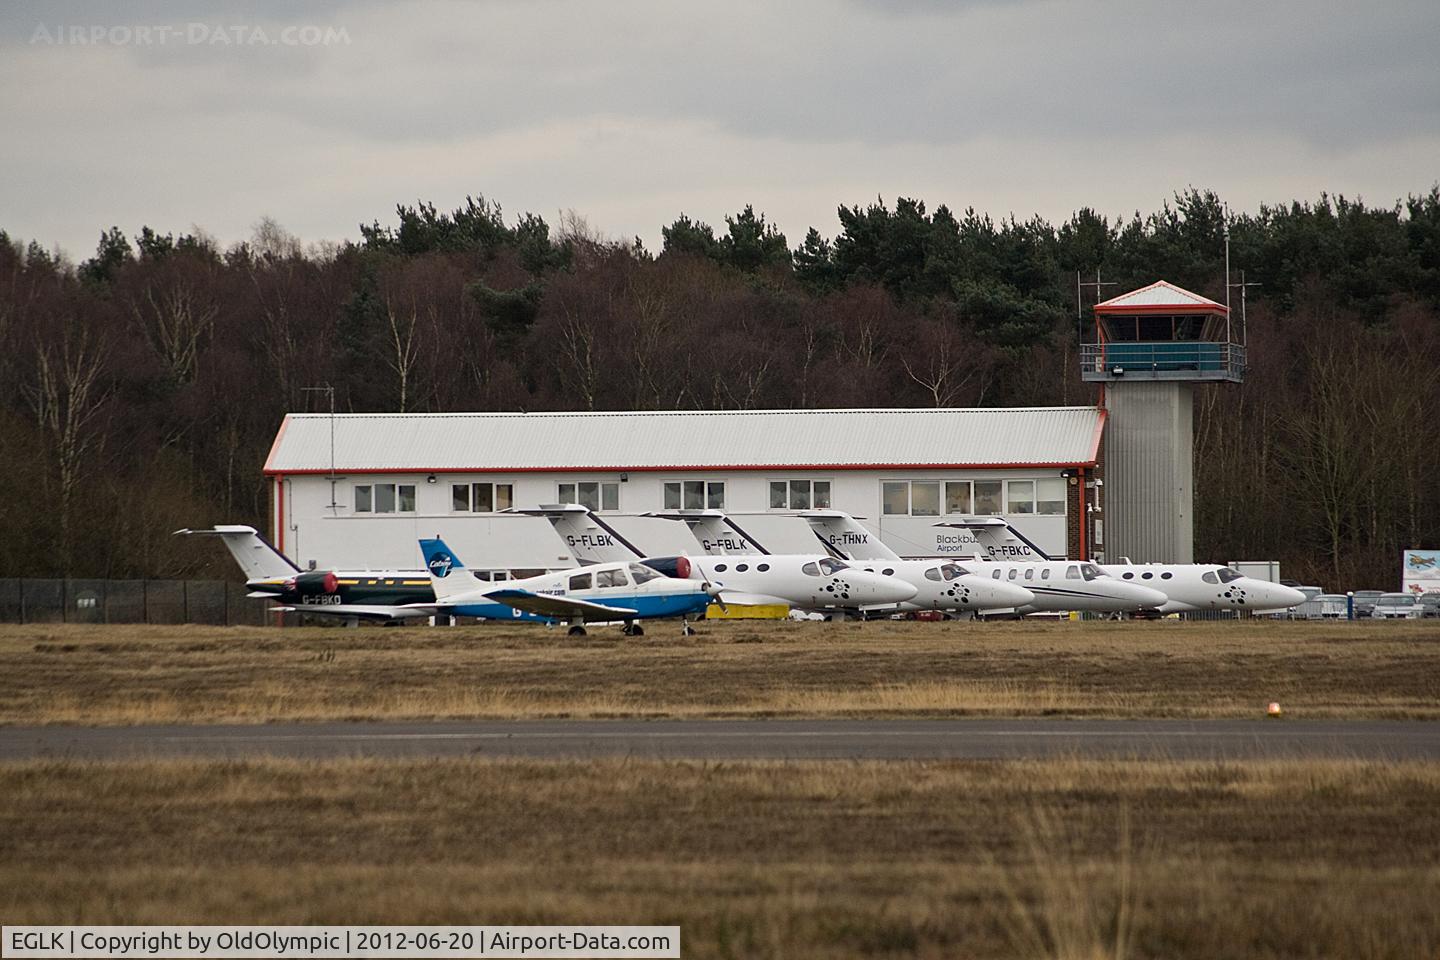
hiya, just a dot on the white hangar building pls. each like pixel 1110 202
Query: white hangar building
pixel 358 490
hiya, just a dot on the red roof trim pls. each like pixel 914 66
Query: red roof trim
pixel 1206 305
pixel 279 435
pixel 1099 433
pixel 693 467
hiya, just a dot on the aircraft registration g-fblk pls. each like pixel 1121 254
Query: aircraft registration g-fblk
pixel 1056 584
pixel 939 585
pixel 1187 586
pixel 817 582
pixel 625 591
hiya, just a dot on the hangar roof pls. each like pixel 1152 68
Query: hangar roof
pixel 687 440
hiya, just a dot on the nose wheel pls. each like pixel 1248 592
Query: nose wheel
pixel 633 629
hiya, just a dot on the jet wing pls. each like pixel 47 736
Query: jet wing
pixel 364 611
pixel 545 605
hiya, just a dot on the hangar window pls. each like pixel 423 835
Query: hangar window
pixel 385 498
pixel 695 495
pixel 988 497
pixel 1050 497
pixel 957 496
pixel 799 494
pixel 481 497
pixel 1020 496
pixel 591 495
pixel 910 498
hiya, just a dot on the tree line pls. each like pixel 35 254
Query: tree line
pixel 140 390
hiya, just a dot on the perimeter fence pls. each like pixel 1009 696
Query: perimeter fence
pixel 215 602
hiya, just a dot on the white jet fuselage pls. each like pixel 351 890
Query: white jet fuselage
pixel 1198 586
pixel 943 585
pixel 1070 585
pixel 809 582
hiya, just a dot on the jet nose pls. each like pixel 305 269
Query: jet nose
pixel 1142 596
pixel 1272 596
pixel 1010 595
pixel 883 589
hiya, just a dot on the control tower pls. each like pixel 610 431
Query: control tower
pixel 1150 346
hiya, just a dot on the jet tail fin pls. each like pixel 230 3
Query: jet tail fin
pixel 447 574
pixel 716 533
pixel 588 537
pixel 842 533
pixel 998 539
pixel 258 560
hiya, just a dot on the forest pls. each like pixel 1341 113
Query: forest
pixel 141 388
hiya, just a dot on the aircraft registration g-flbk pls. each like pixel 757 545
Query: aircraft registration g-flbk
pixel 625 591
pixel 816 582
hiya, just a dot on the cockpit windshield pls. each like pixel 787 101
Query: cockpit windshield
pixel 828 566
pixel 951 571
pixel 643 574
pixel 1089 571
pixel 1228 576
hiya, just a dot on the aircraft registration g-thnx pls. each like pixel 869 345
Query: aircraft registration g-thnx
pixel 943 586
pixel 1056 584
pixel 1187 586
pixel 351 596
pixel 606 592
pixel 807 581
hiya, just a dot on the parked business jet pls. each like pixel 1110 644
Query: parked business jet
pixel 808 581
pixel 625 591
pixel 1187 586
pixel 1055 584
pixel 351 596
pixel 938 585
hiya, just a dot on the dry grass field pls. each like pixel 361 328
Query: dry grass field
pixel 139 674
pixel 756 860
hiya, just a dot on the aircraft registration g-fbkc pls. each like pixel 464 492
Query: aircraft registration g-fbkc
pixel 624 591
pixel 1187 586
pixel 1056 584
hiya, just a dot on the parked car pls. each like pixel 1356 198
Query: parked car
pixel 1365 602
pixel 1397 606
pixel 1333 606
pixel 1429 604
pixel 1309 608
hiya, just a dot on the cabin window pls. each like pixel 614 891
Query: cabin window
pixel 611 578
pixel 581 581
pixel 694 495
pixel 1209 577
pixel 811 569
pixel 591 495
pixel 1029 573
pixel 799 494
pixel 1072 572
pixel 481 497
pixel 721 568
pixel 762 567
pixel 1045 574
pixel 385 498
pixel 741 567
pixel 933 574
pixel 995 574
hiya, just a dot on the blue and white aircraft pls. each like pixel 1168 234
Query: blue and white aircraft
pixel 603 592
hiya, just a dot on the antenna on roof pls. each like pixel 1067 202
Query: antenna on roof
pixel 1244 325
pixel 329 391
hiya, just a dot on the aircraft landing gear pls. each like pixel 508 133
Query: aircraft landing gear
pixel 685 629
pixel 632 629
pixel 577 628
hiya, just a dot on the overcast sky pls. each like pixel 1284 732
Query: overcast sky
pixel 326 114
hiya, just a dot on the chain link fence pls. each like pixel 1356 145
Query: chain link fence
pixel 216 602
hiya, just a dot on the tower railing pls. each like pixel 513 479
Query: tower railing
pixel 1162 360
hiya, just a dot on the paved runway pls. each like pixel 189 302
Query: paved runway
pixel 978 739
